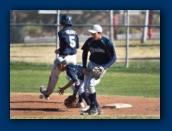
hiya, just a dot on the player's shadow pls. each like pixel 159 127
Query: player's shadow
pixel 35 102
pixel 38 109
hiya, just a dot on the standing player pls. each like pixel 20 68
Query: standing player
pixel 102 54
pixel 69 43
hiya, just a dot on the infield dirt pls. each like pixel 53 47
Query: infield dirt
pixel 29 105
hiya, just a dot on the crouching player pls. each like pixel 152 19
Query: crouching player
pixel 76 77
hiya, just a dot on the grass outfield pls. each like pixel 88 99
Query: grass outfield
pixel 133 81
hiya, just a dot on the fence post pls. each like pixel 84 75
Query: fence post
pixel 126 14
pixel 145 29
pixel 58 27
pixel 111 27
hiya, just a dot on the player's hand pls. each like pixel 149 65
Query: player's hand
pixel 61 90
pixel 85 71
pixel 57 51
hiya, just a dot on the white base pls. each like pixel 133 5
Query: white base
pixel 117 105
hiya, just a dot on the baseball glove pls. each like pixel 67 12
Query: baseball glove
pixel 96 72
pixel 70 101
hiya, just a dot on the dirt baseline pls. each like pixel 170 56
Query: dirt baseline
pixel 29 105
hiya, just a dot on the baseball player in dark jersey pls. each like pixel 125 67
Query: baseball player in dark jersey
pixel 76 77
pixel 69 42
pixel 102 54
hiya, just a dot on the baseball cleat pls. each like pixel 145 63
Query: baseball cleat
pixel 42 90
pixel 90 111
pixel 100 111
pixel 86 108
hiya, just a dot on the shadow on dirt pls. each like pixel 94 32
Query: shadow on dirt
pixel 38 109
pixel 35 102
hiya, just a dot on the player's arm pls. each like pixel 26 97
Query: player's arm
pixel 112 60
pixel 77 41
pixel 57 51
pixel 112 55
pixel 62 89
pixel 84 57
pixel 74 79
pixel 63 41
pixel 84 62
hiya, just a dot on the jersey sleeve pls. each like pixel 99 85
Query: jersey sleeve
pixel 111 48
pixel 77 41
pixel 112 55
pixel 85 49
pixel 63 39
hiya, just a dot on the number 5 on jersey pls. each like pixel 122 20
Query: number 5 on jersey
pixel 72 41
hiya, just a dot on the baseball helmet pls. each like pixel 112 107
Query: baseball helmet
pixel 66 19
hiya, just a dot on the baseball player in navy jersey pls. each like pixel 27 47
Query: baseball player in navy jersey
pixel 102 54
pixel 69 42
pixel 76 77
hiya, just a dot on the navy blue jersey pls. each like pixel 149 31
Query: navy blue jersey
pixel 101 51
pixel 69 41
pixel 74 72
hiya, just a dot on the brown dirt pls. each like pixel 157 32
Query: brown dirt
pixel 29 105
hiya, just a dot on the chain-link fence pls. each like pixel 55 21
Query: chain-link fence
pixel 135 34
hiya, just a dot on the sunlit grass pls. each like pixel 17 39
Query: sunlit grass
pixel 142 82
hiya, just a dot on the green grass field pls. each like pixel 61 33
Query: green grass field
pixel 141 82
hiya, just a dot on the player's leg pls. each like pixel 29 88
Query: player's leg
pixel 79 90
pixel 92 91
pixel 53 79
pixel 91 83
pixel 84 95
pixel 80 103
pixel 92 95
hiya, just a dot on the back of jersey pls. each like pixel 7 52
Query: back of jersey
pixel 69 41
pixel 74 72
